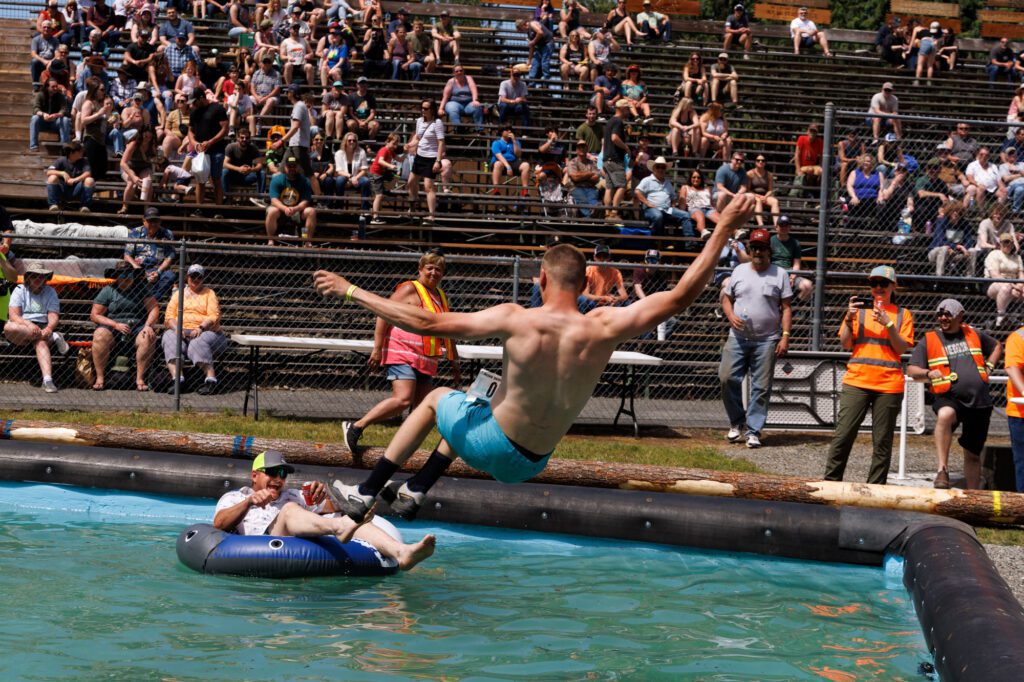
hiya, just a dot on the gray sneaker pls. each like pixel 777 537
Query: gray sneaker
pixel 49 386
pixel 348 499
pixel 403 502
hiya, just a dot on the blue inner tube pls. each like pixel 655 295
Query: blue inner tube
pixel 206 549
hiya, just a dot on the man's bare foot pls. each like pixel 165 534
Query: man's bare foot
pixel 410 555
pixel 345 527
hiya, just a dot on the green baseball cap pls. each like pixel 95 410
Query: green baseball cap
pixel 269 459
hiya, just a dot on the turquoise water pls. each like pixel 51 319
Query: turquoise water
pixel 92 589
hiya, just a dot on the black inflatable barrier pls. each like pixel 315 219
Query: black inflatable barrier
pixel 968 614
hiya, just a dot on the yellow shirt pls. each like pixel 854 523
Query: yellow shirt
pixel 199 308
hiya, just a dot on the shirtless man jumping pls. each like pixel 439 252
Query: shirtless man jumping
pixel 553 358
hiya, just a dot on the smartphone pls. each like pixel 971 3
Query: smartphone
pixel 866 302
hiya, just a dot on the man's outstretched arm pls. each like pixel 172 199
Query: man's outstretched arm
pixel 488 323
pixel 644 315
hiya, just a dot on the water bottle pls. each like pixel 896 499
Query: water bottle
pixel 906 221
pixel 928 227
pixel 361 233
pixel 487 168
pixel 747 326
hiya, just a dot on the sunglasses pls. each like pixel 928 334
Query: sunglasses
pixel 758 247
pixel 276 472
pixel 759 160
pixel 943 313
pixel 878 283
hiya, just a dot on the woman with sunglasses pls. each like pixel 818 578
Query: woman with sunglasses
pixel 201 338
pixel 877 334
pixel 714 133
pixel 695 80
pixel 762 186
pixel 618 22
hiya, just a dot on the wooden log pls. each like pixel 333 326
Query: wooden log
pixel 971 506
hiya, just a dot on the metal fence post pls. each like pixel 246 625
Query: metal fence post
pixel 181 315
pixel 515 280
pixel 823 199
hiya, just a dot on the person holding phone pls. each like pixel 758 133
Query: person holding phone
pixel 877 335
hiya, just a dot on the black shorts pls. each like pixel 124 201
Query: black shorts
pixel 423 167
pixel 973 419
pixel 302 154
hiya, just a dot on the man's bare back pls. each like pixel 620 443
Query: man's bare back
pixel 553 357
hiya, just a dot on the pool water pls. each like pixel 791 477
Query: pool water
pixel 92 589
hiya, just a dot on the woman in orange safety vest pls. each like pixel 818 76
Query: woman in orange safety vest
pixel 410 359
pixel 877 336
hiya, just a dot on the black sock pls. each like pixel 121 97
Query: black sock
pixel 426 477
pixel 379 477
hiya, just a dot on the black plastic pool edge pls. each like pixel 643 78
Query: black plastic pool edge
pixel 972 623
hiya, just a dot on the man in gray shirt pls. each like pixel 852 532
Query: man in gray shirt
pixel 512 95
pixel 297 138
pixel 756 302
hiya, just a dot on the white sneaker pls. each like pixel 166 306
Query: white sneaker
pixel 733 435
pixel 753 441
pixel 49 386
pixel 60 343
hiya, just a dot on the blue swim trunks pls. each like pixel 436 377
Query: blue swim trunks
pixel 474 434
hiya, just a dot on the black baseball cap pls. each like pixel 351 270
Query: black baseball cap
pixel 152 213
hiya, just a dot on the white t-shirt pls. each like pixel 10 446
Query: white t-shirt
pixel 429 135
pixel 801 26
pixel 986 177
pixel 885 105
pixel 998 264
pixel 258 519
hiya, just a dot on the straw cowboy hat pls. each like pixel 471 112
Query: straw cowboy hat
pixel 660 161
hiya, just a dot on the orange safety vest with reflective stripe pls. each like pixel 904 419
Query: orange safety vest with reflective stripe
pixel 874 361
pixel 937 359
pixel 434 346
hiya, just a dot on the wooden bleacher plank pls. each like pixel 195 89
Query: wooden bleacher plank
pixel 771 12
pixel 686 8
pixel 992 30
pixel 953 25
pixel 816 4
pixel 1000 16
pixel 1018 4
pixel 949 10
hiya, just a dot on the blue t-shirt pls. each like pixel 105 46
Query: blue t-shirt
pixel 612 84
pixel 730 179
pixel 290 192
pixel 506 149
pixel 34 307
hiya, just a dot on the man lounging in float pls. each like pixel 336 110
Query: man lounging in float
pixel 553 358
pixel 268 508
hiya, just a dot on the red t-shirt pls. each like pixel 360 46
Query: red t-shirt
pixel 809 153
pixel 383 154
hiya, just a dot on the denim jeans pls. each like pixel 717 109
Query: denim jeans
pixel 657 218
pixel 338 184
pixel 996 72
pixel 584 198
pixel 60 191
pixel 115 138
pixel 1016 194
pixel 540 67
pixel 1017 444
pixel 740 356
pixel 232 178
pixel 456 111
pixel 522 110
pixel 163 284
pixel 61 126
pixel 413 73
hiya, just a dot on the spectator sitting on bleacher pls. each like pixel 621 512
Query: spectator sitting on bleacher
pixel 400 20
pixel 762 185
pixel 174 25
pixel 806 34
pixel 208 131
pixel 890 156
pixel 569 20
pixel 607 90
pixel 991 230
pixel 296 53
pixel 604 284
pixel 1004 263
pixel 155 259
pixel 188 80
pixel 695 81
pixel 69 177
pixel 848 150
pixel 655 27
pixel 266 42
pixel 135 116
pixel 52 14
pixel 265 87
pixel 1012 172
pixel 961 145
pixel 599 52
pixel 350 169
pixel 951 241
pixel 125 314
pixel 737 27
pixel 572 61
pixel 684 129
pixel 201 338
pixel 864 188
pixel 787 254
pixel 291 197
pixel 60 72
pixel 140 59
pixel 513 98
pixel 297 18
pixel 949 50
pixel 887 39
pixel 74 24
pixel 614 152
pixel 243 164
pixel 885 102
pixel 810 149
pixel 730 180
pixel 10 269
pixel 44 50
pixel 1001 60
pixel 658 197
pixel 32 318
pixel 334 57
pixel 652 280
pixel 714 133
pixel 724 77
pixel 174 177
pixel 376 62
pixel 461 98
pixel 362 111
pixel 274 153
pixel 634 91
pixel 96 49
pixel 381 172
pixel 638 169
pixel 618 22
pixel 583 179
pixel 591 131
pixel 137 167
pixel 445 38
pixel 240 18
pixel 51 112
pixel 176 129
pixel 930 193
pixel 234 95
pixel 984 180
pixel 421 47
pixel 696 198
pixel 505 160
pixel 334 109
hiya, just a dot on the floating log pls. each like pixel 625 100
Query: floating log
pixel 971 506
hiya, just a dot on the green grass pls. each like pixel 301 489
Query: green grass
pixel 656 451
pixel 1000 536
